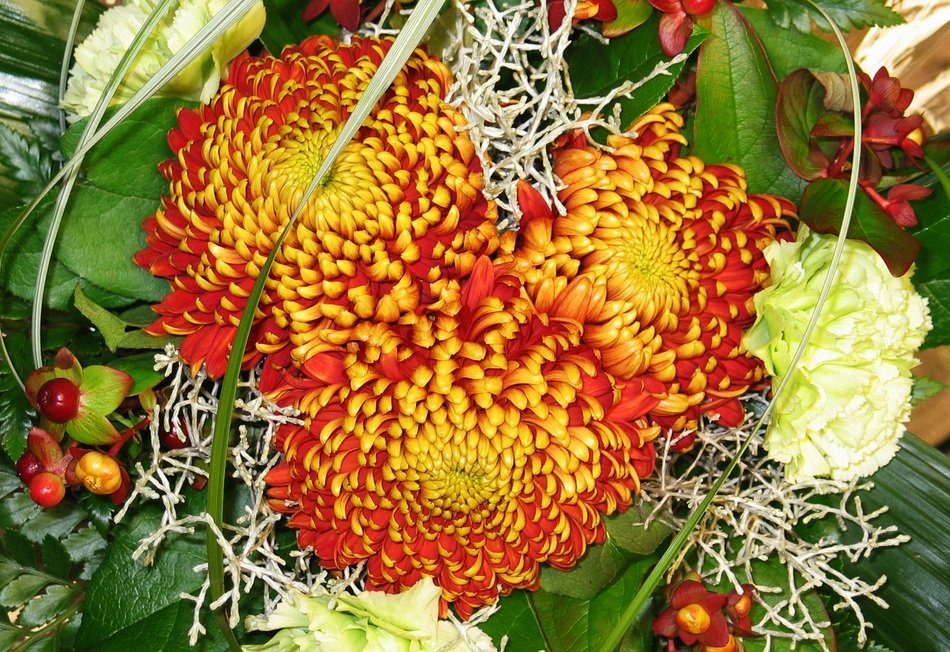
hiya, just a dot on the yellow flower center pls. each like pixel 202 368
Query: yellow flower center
pixel 652 270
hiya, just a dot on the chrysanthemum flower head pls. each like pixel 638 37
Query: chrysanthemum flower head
pixel 401 209
pixel 469 445
pixel 843 409
pixel 675 246
pixel 99 54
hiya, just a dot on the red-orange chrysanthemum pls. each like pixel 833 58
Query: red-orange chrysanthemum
pixel 676 247
pixel 470 444
pixel 401 209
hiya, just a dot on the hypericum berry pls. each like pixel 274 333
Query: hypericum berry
pixel 99 473
pixel 28 467
pixel 58 400
pixel 47 489
pixel 698 7
pixel 173 439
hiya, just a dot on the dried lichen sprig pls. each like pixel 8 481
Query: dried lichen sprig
pixel 513 125
pixel 754 517
pixel 248 544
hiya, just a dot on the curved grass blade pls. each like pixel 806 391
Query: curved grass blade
pixel 59 209
pixel 409 37
pixel 67 57
pixel 653 580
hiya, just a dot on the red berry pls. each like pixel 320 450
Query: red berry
pixel 47 489
pixel 58 400
pixel 698 7
pixel 28 467
pixel 172 439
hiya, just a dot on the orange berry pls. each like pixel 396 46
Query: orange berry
pixel 99 473
pixel 693 619
pixel 730 646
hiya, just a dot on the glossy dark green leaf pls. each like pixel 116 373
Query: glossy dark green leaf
pixel 56 560
pixel 516 621
pixel 847 14
pixel 575 625
pixel 9 481
pixel 937 293
pixel 592 573
pixel 735 111
pixel 627 531
pixel 83 545
pixel 915 486
pixel 800 105
pixel 790 49
pixel 56 522
pixel 597 68
pixel 19 549
pixel 25 166
pixel 933 232
pixel 285 26
pixel 17 509
pixel 822 208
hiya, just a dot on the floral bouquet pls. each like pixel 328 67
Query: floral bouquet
pixel 518 325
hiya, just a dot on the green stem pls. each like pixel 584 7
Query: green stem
pixel 940 174
pixel 653 580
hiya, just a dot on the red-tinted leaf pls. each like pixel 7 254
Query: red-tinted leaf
pixel 92 428
pixel 822 208
pixel 800 105
pixel 630 14
pixel 104 388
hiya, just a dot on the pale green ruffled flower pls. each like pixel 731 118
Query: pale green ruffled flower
pixel 843 410
pixel 99 54
pixel 370 621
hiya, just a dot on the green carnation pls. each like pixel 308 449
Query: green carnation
pixel 369 621
pixel 843 409
pixel 99 54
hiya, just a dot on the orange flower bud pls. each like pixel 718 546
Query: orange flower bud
pixel 99 473
pixel 693 618
pixel 730 646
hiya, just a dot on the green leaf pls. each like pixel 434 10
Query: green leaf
pixel 9 481
pixel 22 589
pixel 141 367
pixel 597 67
pixel 20 260
pixel 56 560
pixel 933 232
pixel 47 605
pixel 937 293
pixel 99 510
pixel 56 522
pixel 152 613
pixel 102 229
pixel 19 549
pixel 627 531
pixel 115 330
pixel 630 14
pixel 789 50
pixel 735 111
pixel 576 625
pixel 285 27
pixel 15 415
pixel 17 509
pixel 924 388
pixel 847 14
pixel 104 388
pixel 822 207
pixel 25 165
pixel 592 573
pixel 84 545
pixel 915 486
